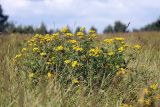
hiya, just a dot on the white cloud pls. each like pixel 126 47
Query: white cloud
pixel 88 12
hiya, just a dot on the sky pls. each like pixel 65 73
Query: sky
pixel 86 13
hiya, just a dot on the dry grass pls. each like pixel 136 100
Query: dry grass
pixel 16 91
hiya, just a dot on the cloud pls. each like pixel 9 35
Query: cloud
pixel 82 12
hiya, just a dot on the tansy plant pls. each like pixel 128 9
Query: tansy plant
pixel 80 56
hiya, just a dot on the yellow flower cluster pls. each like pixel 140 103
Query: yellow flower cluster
pixel 69 34
pixel 43 54
pixel 78 52
pixel 59 48
pixel 121 71
pixel 108 41
pixel 24 49
pixel 67 61
pixel 80 34
pixel 72 41
pixel 64 30
pixel 137 46
pixel 75 81
pixel 150 95
pixel 74 64
pixel 77 48
pixel 121 49
pixel 110 53
pixel 49 75
pixel 92 31
pixel 95 52
pixel 18 56
pixel 36 49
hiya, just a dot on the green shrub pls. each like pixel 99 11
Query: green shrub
pixel 75 58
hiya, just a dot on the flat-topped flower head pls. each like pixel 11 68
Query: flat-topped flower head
pixel 65 30
pixel 72 41
pixel 108 41
pixel 77 48
pixel 137 47
pixel 59 48
pixel 67 61
pixel 75 64
pixel 94 52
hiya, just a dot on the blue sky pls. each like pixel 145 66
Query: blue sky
pixel 99 13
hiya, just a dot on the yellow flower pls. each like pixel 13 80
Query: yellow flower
pixel 43 54
pixel 119 39
pixel 154 86
pixel 82 29
pixel 64 30
pixel 110 53
pixel 120 49
pixel 31 75
pixel 80 34
pixel 121 71
pixel 141 101
pixel 35 49
pixel 74 64
pixel 49 75
pixel 18 56
pixel 24 49
pixel 72 41
pixel 75 81
pixel 94 52
pixel 145 90
pixel 34 44
pixel 108 41
pixel 147 101
pixel 67 61
pixel 49 62
pixel 56 34
pixel 77 48
pixel 117 66
pixel 92 31
pixel 92 36
pixel 137 46
pixel 157 97
pixel 59 48
pixel 69 34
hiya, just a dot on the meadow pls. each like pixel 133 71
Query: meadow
pixel 139 87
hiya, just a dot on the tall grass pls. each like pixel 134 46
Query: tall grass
pixel 16 91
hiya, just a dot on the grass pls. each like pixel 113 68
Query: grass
pixel 17 92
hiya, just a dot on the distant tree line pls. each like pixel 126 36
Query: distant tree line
pixel 9 27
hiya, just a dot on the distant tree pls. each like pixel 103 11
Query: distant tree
pixel 155 26
pixel 19 29
pixel 93 28
pixel 108 29
pixel 3 20
pixel 77 29
pixel 11 28
pixel 51 31
pixel 42 29
pixel 69 29
pixel 57 30
pixel 119 27
pixel 28 29
pixel 135 30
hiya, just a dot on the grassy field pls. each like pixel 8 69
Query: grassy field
pixel 15 91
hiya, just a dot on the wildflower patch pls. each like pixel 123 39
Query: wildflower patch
pixel 79 56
